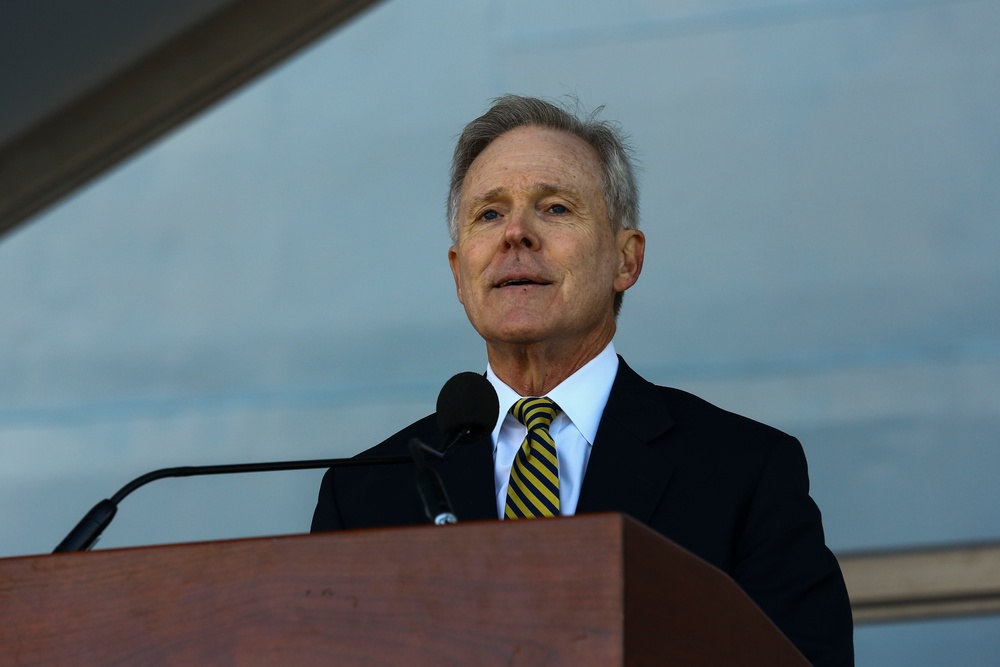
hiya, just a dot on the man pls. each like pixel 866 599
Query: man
pixel 543 214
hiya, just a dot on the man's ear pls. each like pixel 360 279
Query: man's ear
pixel 631 251
pixel 453 262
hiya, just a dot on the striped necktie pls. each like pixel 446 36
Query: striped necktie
pixel 533 489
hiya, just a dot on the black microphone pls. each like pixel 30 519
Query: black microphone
pixel 467 410
pixel 85 534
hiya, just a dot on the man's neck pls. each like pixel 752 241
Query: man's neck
pixel 535 369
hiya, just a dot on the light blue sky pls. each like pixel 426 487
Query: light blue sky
pixel 270 281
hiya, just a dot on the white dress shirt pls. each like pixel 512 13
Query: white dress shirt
pixel 581 399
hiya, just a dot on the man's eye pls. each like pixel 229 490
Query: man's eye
pixel 558 209
pixel 490 215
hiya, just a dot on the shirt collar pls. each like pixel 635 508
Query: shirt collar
pixel 582 396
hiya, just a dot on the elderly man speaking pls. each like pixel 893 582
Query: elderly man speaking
pixel 543 215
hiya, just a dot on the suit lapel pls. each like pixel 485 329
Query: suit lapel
pixel 630 463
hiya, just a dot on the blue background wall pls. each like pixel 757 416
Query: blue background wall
pixel 820 196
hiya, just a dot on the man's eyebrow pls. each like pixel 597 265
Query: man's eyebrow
pixel 490 195
pixel 538 189
pixel 551 189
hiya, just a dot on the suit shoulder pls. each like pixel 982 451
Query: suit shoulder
pixel 424 429
pixel 684 412
pixel 725 432
pixel 697 408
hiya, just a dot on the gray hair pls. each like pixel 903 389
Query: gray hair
pixel 621 194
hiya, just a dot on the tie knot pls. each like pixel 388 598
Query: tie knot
pixel 535 413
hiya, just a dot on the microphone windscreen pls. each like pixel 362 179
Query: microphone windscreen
pixel 467 402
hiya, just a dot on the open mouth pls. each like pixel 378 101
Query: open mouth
pixel 518 283
pixel 522 282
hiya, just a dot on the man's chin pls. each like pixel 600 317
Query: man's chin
pixel 516 333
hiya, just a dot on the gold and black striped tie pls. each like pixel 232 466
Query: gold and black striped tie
pixel 533 490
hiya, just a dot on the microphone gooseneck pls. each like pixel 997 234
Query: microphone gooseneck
pixel 467 410
pixel 85 534
pixel 433 497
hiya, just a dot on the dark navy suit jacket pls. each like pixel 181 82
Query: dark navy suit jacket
pixel 731 490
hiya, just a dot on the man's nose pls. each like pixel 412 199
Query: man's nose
pixel 521 230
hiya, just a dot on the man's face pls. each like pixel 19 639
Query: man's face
pixel 536 259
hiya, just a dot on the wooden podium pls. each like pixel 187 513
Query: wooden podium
pixel 588 590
